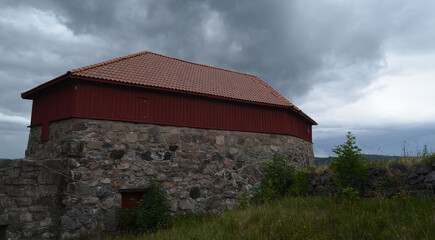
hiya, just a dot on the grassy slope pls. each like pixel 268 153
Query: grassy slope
pixel 312 218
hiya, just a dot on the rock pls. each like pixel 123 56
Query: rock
pixel 421 169
pixel 326 178
pixel 93 135
pixel 117 154
pixel 107 167
pixel 178 179
pixel 123 165
pixel 143 137
pixel 75 126
pixel 173 148
pixel 6 202
pixel 412 175
pixel 220 140
pixel 131 137
pixel 167 156
pixel 398 168
pixel 171 138
pixel 104 191
pixel 111 135
pixel 15 192
pixel 68 224
pixel 150 172
pixel 195 192
pixel 146 156
pixel 230 195
pixel 93 165
pixel 187 204
pixel 108 202
pixel 106 180
pixel 216 157
pixel 96 154
pixel 95 145
pixel 416 180
pixel 170 184
pixel 26 217
pixel 430 177
pixel 117 127
pixel 429 181
pixel 131 156
pixel 90 200
pixel 73 148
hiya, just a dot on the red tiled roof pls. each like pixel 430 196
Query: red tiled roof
pixel 155 70
pixel 151 69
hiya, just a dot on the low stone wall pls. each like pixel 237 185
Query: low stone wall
pixel 396 180
pixel 201 170
pixel 29 198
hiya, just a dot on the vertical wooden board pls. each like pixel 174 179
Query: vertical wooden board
pixel 120 103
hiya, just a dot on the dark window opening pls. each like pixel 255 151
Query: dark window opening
pixel 3 230
pixel 129 200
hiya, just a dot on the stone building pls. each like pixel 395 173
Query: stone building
pixel 203 132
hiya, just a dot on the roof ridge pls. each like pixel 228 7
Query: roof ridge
pixel 203 65
pixel 107 62
pixel 272 90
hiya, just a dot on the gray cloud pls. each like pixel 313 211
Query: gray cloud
pixel 292 45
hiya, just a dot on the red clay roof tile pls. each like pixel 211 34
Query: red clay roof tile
pixel 151 69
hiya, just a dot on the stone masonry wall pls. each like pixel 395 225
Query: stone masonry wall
pixel 396 180
pixel 201 170
pixel 29 199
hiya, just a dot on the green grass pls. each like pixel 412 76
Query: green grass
pixel 407 161
pixel 311 218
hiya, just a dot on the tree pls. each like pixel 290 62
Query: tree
pixel 350 166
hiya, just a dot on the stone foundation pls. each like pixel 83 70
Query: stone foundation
pixel 30 197
pixel 201 170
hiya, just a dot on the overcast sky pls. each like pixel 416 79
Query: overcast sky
pixel 366 67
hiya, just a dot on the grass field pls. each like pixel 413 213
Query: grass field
pixel 311 218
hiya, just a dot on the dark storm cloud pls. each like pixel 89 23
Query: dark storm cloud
pixel 285 43
pixel 292 45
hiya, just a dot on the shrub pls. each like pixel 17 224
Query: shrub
pixel 280 179
pixel 350 166
pixel 429 159
pixel 299 188
pixel 350 193
pixel 150 213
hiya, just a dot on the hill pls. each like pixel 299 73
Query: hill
pixel 321 161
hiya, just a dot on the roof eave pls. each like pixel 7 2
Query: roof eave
pixel 304 115
pixel 32 92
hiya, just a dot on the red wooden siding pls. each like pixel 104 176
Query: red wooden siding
pixel 110 102
pixel 52 105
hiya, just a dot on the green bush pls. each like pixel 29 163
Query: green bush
pixel 299 188
pixel 280 179
pixel 429 159
pixel 350 193
pixel 150 213
pixel 350 166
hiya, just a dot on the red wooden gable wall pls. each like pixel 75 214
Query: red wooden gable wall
pixel 110 102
